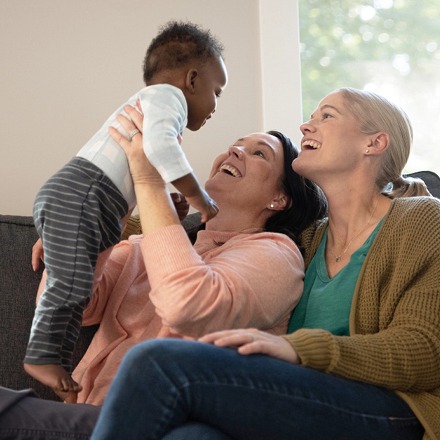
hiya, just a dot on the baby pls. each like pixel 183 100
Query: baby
pixel 78 212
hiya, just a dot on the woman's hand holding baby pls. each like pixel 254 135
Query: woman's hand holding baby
pixel 155 206
pixel 142 171
pixel 37 254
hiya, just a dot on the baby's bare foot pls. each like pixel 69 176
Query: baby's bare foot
pixel 57 378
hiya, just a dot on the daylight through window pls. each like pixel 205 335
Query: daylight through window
pixel 391 47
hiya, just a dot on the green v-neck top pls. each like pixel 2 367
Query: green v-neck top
pixel 326 302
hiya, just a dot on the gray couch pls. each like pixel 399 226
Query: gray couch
pixel 18 287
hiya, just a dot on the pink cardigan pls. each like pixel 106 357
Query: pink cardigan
pixel 252 280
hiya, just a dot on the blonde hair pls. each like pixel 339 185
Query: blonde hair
pixel 375 114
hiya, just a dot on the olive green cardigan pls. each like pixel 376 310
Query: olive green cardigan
pixel 394 337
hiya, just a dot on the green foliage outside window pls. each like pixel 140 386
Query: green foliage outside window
pixel 390 47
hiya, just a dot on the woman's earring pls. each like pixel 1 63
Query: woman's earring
pixel 271 205
pixel 367 150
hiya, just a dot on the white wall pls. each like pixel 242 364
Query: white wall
pixel 280 67
pixel 66 65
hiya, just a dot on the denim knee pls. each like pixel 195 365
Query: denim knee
pixel 156 353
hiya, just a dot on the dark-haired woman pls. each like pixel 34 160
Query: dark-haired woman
pixel 244 270
pixel 362 357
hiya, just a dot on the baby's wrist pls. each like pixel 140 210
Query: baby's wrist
pixel 201 198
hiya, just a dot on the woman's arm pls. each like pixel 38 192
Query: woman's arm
pixel 250 281
pixel 155 206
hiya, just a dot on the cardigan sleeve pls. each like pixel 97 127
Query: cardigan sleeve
pixel 395 320
pixel 133 227
pixel 250 281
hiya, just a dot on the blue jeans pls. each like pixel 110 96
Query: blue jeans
pixel 170 389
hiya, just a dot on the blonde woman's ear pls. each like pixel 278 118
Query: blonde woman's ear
pixel 382 141
pixel 379 144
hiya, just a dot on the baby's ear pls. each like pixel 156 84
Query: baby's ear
pixel 191 78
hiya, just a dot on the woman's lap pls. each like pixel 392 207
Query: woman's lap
pixel 171 382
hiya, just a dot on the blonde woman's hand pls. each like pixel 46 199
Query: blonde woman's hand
pixel 253 341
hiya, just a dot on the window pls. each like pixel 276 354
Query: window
pixel 391 47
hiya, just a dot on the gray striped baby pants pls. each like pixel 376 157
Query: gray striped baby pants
pixel 77 214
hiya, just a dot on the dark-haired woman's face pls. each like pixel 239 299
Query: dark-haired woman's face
pixel 249 173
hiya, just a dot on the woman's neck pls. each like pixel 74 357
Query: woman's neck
pixel 353 215
pixel 236 220
pixel 349 210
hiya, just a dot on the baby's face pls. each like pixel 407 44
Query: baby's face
pixel 211 81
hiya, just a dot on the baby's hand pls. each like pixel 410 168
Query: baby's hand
pixel 204 204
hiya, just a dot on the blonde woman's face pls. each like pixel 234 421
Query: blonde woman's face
pixel 332 143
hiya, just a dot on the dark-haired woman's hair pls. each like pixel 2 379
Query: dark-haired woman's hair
pixel 306 202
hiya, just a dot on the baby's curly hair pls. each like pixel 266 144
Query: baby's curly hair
pixel 176 44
